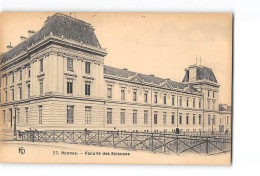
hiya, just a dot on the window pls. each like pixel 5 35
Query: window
pixel 209 119
pixel 145 96
pixel 122 116
pixel 4 115
pixel 213 106
pixel 208 104
pixel 134 116
pixel 12 77
pixel 208 93
pixel 109 115
pixel 227 120
pixel 213 120
pixel 164 99
pixel 187 102
pixel 134 95
pixel 26 115
pixel 199 103
pixel 194 119
pixel 109 91
pixel 200 119
pixel 173 100
pixel 180 118
pixel 180 101
pixel 155 117
pixel 193 103
pixel 173 118
pixel 213 94
pixel 187 118
pixel 18 115
pixel 122 93
pixel 6 96
pixel 29 90
pixel 145 117
pixel 155 98
pixel 29 72
pixel 87 67
pixel 70 114
pixel 6 78
pixel 41 65
pixel 87 87
pixel 41 88
pixel 69 86
pixel 164 118
pixel 69 64
pixel 40 114
pixel 12 90
pixel 21 92
pixel 87 115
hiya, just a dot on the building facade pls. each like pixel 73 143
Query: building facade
pixel 56 79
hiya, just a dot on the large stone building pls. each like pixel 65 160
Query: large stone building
pixel 56 79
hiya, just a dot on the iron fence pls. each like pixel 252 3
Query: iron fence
pixel 155 142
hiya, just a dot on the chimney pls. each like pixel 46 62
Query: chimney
pixel 9 46
pixel 125 69
pixel 31 32
pixel 151 75
pixel 23 38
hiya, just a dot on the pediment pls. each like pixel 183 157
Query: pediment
pixel 135 79
pixel 187 89
pixel 165 85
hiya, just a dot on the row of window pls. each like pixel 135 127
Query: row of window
pixel 70 66
pixel 155 97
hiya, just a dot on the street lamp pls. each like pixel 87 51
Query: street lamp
pixel 15 133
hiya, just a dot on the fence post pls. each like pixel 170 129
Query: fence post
pixel 152 143
pixel 113 139
pixel 98 139
pixel 53 136
pixel 177 146
pixel 32 136
pixel 63 133
pixel 164 142
pixel 131 140
pixel 207 145
pixel 73 136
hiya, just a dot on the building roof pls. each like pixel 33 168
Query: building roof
pixel 202 73
pixel 224 107
pixel 124 73
pixel 60 25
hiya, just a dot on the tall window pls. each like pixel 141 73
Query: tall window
pixel 69 64
pixel 209 119
pixel 213 120
pixel 29 72
pixel 134 95
pixel 187 102
pixel 41 65
pixel 40 114
pixel 6 96
pixel 122 93
pixel 208 93
pixel 164 99
pixel 4 115
pixel 181 101
pixel 29 90
pixel 18 115
pixel 155 117
pixel 69 86
pixel 193 119
pixel 12 91
pixel 21 92
pixel 173 100
pixel 26 115
pixel 6 79
pixel 87 115
pixel 12 77
pixel 122 116
pixel 145 96
pixel 109 115
pixel 213 94
pixel 87 87
pixel 41 87
pixel 180 118
pixel 164 118
pixel 134 116
pixel 208 104
pixel 109 91
pixel 87 67
pixel 187 118
pixel 145 117
pixel 173 118
pixel 199 103
pixel 70 114
pixel 155 98
pixel 200 119
pixel 193 103
pixel 227 120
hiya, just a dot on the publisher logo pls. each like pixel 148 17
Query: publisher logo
pixel 21 150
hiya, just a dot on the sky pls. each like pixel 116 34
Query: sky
pixel 163 44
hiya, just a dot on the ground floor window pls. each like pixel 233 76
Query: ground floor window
pixel 164 117
pixel 134 116
pixel 180 118
pixel 70 114
pixel 18 115
pixel 87 114
pixel 40 114
pixel 193 119
pixel 155 117
pixel 122 116
pixel 109 115
pixel 172 118
pixel 145 117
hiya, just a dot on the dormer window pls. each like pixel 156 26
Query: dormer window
pixel 69 64
pixel 164 99
pixel 135 95
pixel 155 98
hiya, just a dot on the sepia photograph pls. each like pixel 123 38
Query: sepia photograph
pixel 116 88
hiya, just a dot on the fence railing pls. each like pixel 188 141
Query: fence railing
pixel 154 142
